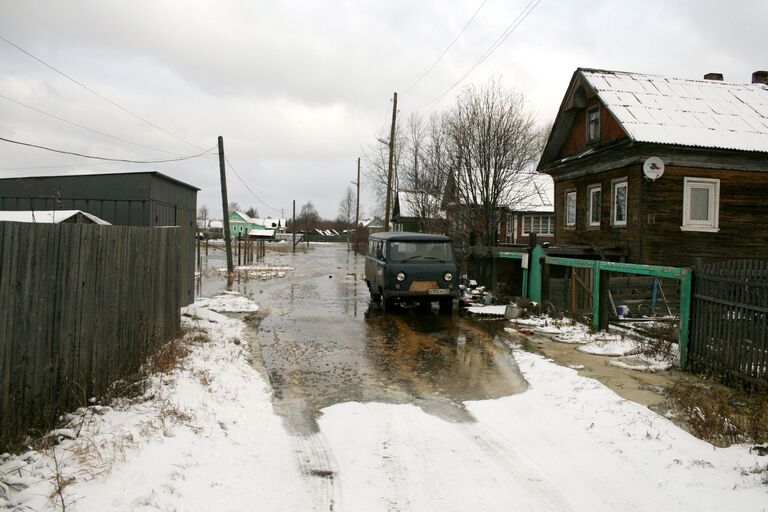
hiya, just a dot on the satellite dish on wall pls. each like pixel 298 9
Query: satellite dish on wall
pixel 653 168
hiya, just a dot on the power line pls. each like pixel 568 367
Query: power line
pixel 488 52
pixel 63 152
pixel 249 188
pixel 439 58
pixel 63 120
pixel 114 103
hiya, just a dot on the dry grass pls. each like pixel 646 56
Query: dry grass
pixel 722 415
pixel 659 340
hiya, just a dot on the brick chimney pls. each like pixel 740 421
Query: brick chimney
pixel 714 76
pixel 760 77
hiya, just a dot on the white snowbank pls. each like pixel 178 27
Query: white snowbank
pixel 227 302
pixel 487 310
pixel 204 437
pixel 568 443
pixel 613 346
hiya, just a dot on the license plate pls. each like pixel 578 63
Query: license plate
pixel 439 291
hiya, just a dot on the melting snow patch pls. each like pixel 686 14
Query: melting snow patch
pixel 612 346
pixel 227 302
pixel 487 310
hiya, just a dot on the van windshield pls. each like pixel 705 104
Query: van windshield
pixel 427 251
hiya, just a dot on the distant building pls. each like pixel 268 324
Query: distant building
pixel 240 224
pixel 417 211
pixel 533 212
pixel 672 170
pixel 148 199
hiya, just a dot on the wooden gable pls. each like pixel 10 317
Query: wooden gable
pixel 568 136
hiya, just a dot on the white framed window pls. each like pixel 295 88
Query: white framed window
pixel 619 202
pixel 595 195
pixel 701 204
pixel 539 224
pixel 570 208
pixel 510 228
pixel 593 124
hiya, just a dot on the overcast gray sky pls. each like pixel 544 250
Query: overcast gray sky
pixel 298 89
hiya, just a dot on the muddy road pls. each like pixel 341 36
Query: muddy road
pixel 322 342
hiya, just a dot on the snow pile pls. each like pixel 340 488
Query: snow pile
pixel 487 310
pixel 642 363
pixel 610 346
pixel 203 437
pixel 227 302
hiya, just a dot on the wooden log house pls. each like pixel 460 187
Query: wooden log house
pixel 673 169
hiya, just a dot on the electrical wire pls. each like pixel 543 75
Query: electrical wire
pixel 93 130
pixel 64 152
pixel 249 188
pixel 92 91
pixel 439 58
pixel 488 52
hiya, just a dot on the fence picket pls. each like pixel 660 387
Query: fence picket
pixel 80 305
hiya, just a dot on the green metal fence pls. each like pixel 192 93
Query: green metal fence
pixel 532 278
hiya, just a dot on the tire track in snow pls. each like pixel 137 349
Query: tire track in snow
pixel 508 463
pixel 318 465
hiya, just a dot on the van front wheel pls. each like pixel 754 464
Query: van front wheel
pixel 375 297
pixel 446 306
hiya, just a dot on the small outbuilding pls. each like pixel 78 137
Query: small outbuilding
pixel 149 199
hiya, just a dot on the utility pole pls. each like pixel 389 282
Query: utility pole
pixel 225 208
pixel 391 157
pixel 294 226
pixel 357 209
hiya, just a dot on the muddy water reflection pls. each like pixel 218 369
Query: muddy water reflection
pixel 323 344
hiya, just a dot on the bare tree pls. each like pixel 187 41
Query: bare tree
pixel 347 206
pixel 492 145
pixel 423 172
pixel 308 216
pixel 252 212
pixel 202 212
pixel 376 157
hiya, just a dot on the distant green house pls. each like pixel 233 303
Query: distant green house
pixel 241 224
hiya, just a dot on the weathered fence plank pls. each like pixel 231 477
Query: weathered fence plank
pixel 731 312
pixel 80 306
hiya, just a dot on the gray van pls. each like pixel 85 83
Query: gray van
pixel 411 267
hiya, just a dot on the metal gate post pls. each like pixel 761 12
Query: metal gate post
pixel 596 295
pixel 534 274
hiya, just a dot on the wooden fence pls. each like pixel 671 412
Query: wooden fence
pixel 80 306
pixel 729 332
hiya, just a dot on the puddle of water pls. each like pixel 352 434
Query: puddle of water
pixel 324 344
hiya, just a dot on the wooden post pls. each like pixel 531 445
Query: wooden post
pixel 225 210
pixel 391 161
pixel 294 226
pixel 605 305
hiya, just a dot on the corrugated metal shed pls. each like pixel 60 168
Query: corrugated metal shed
pixel 679 111
pixel 149 199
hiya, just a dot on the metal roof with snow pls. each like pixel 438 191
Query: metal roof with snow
pixel 48 216
pixel 534 195
pixel 685 112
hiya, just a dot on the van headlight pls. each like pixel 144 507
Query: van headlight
pixel 400 276
pixel 448 277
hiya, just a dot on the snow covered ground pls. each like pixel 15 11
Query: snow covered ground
pixel 205 437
